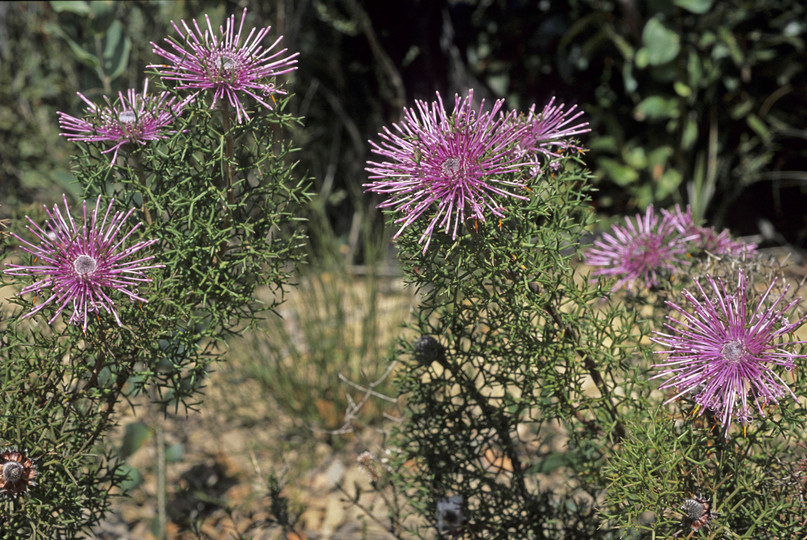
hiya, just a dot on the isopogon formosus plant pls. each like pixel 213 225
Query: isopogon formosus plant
pixel 531 409
pixel 531 405
pixel 135 290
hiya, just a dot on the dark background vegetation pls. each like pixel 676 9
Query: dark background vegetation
pixel 689 100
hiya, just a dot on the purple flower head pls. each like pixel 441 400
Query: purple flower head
pixel 723 349
pixel 549 132
pixel 79 265
pixel 448 168
pixel 134 119
pixel 639 251
pixel 204 61
pixel 707 238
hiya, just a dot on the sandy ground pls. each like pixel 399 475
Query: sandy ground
pixel 218 488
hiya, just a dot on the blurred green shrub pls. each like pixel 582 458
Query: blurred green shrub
pixel 34 77
pixel 711 88
pixel 95 37
pixel 692 97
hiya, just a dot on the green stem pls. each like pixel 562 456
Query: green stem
pixel 226 124
pixel 503 428
pixel 571 334
pixel 137 165
pixel 227 180
pixel 104 421
pixel 99 364
pixel 162 513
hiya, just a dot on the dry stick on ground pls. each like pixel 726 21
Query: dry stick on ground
pixel 354 408
pixel 395 525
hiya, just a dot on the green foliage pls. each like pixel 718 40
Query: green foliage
pixel 751 481
pixel 708 88
pixel 754 480
pixel 49 51
pixel 708 84
pixel 104 47
pixel 50 412
pixel 226 225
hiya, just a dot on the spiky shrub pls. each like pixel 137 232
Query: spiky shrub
pixel 531 405
pixel 511 348
pixel 141 309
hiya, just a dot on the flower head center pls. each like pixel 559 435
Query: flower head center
pixel 452 167
pixel 693 509
pixel 226 66
pixel 733 352
pixel 645 252
pixel 127 118
pixel 84 265
pixel 12 471
pixel 128 124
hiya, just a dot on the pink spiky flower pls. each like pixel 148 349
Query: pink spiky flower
pixel 204 61
pixel 135 119
pixel 80 264
pixel 448 168
pixel 550 132
pixel 643 251
pixel 707 238
pixel 722 350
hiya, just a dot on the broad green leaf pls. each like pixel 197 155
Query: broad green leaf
pixel 682 89
pixel 77 7
pixel 660 155
pixel 103 8
pixel 644 195
pixel 81 55
pixel 741 109
pixel 606 143
pixel 668 183
pixel 174 453
pixel 620 173
pixel 758 126
pixel 656 108
pixel 707 39
pixel 636 157
pixel 135 436
pixel 132 479
pixel 694 6
pixel 627 76
pixel 116 51
pixel 694 70
pixel 103 15
pixel 642 58
pixel 499 83
pixel 690 133
pixel 731 43
pixel 662 44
